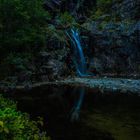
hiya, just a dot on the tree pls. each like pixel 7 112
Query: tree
pixel 22 25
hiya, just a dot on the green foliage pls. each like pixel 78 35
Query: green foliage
pixel 104 4
pixel 55 34
pixel 102 25
pixel 22 23
pixel 22 30
pixel 66 19
pixel 15 63
pixel 103 7
pixel 15 125
pixel 19 60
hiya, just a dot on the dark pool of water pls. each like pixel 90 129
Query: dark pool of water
pixel 102 116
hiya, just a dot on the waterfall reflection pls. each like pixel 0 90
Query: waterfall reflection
pixel 75 112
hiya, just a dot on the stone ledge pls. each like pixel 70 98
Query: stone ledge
pixel 103 85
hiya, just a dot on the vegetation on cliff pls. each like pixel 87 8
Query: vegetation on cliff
pixel 28 27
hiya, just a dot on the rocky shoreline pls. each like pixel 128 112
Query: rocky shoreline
pixel 113 85
pixel 103 85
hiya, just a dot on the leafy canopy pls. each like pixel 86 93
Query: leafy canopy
pixel 22 23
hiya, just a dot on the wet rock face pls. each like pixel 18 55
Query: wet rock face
pixel 116 44
pixel 51 4
pixel 117 48
pixel 127 9
pixel 75 7
pixel 51 70
pixel 52 65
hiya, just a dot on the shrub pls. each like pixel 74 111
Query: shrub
pixel 66 19
pixel 22 24
pixel 103 8
pixel 15 125
pixel 15 63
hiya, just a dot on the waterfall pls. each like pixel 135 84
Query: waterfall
pixel 80 63
pixel 79 58
pixel 81 68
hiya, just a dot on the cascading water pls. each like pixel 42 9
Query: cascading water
pixel 81 68
pixel 79 58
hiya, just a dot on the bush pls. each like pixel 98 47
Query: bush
pixel 15 125
pixel 66 19
pixel 103 7
pixel 22 24
pixel 15 63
